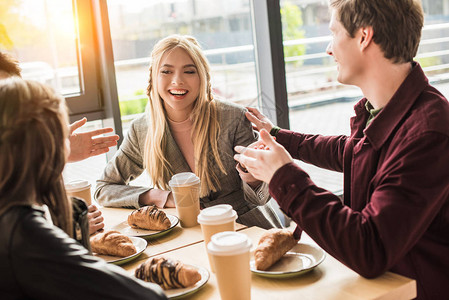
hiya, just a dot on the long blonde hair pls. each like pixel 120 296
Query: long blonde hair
pixel 204 115
pixel 33 130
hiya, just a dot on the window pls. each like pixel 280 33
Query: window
pixel 53 48
pixel 221 27
pixel 55 43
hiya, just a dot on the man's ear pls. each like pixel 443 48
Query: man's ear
pixel 366 37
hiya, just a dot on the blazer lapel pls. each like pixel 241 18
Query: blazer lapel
pixel 175 156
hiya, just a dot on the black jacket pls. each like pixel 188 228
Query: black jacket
pixel 40 261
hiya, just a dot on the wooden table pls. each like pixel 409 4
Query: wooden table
pixel 330 280
pixel 177 238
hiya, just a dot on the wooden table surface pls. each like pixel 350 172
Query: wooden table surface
pixel 177 238
pixel 330 280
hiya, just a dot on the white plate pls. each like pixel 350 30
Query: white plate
pixel 180 293
pixel 129 231
pixel 300 259
pixel 140 245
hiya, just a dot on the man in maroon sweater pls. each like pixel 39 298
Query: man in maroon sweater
pixel 395 213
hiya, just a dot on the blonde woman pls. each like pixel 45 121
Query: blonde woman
pixel 38 259
pixel 186 130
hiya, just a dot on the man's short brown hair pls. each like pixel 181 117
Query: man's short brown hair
pixel 9 65
pixel 397 24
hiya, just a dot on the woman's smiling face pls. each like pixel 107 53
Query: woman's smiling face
pixel 178 83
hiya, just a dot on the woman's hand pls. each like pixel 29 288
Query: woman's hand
pixel 258 119
pixel 86 144
pixel 170 201
pixel 95 219
pixel 263 161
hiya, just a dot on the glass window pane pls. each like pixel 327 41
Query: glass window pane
pixel 318 103
pixel 433 53
pixel 311 80
pixel 41 35
pixel 223 28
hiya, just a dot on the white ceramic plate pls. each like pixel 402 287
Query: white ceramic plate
pixel 140 245
pixel 300 259
pixel 180 293
pixel 129 231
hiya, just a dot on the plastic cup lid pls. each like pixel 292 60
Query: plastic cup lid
pixel 229 243
pixel 184 179
pixel 217 214
pixel 77 185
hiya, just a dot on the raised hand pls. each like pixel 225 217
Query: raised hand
pixel 258 119
pixel 263 162
pixel 86 144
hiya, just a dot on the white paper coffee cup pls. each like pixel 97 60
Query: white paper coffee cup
pixel 230 252
pixel 185 188
pixel 216 219
pixel 216 215
pixel 79 189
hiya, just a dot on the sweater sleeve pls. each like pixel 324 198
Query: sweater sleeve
pixel 398 212
pixel 244 136
pixel 321 151
pixel 113 187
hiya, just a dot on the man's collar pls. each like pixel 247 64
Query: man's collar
pixel 372 111
pixel 381 128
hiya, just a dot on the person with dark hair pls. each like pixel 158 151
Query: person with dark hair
pixel 395 212
pixel 39 260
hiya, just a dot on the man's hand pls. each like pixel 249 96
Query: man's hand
pixel 263 162
pixel 95 219
pixel 258 119
pixel 84 145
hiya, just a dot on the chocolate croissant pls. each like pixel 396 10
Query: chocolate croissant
pixel 149 217
pixel 112 243
pixel 272 246
pixel 169 274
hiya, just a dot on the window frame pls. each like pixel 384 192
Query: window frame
pixel 98 99
pixel 270 65
pixel 88 101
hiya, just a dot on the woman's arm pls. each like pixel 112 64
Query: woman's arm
pixel 256 191
pixel 113 187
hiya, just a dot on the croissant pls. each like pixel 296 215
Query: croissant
pixel 112 243
pixel 272 246
pixel 169 274
pixel 149 217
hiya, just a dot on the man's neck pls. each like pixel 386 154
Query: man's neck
pixel 383 80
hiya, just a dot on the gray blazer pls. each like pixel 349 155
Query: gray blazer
pixel 251 206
